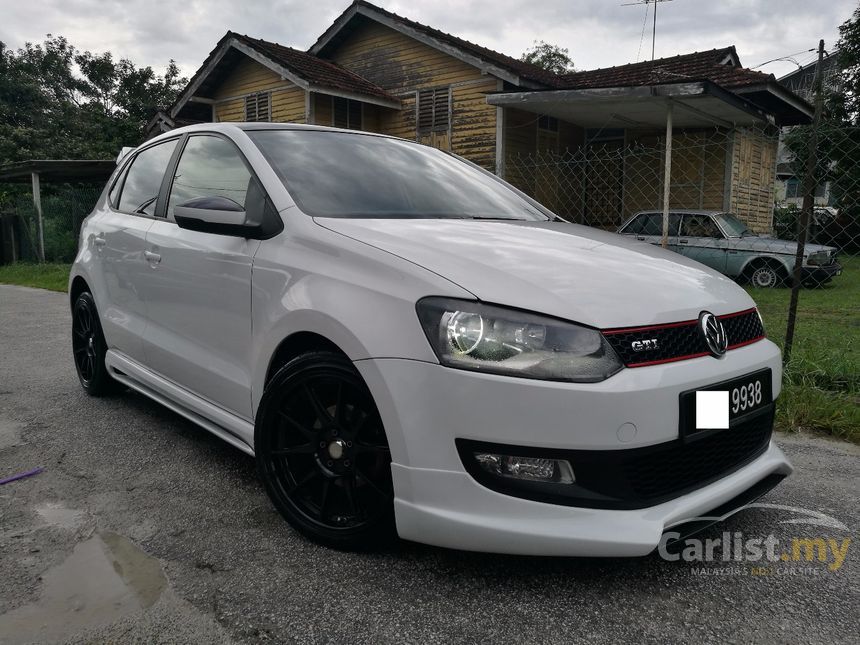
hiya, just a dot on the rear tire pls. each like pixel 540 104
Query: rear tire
pixel 89 348
pixel 323 455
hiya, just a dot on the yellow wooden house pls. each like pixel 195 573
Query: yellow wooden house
pixel 374 70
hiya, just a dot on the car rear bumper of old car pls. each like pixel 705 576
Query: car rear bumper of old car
pixel 652 479
pixel 819 274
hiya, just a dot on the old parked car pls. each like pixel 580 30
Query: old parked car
pixel 401 339
pixel 723 242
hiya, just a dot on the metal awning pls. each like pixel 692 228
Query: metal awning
pixel 95 170
pixel 697 105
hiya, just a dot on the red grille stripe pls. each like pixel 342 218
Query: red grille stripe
pixel 669 360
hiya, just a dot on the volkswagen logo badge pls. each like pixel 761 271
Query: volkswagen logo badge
pixel 714 334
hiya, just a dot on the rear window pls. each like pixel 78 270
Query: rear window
pixel 337 174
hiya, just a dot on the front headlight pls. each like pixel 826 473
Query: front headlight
pixel 474 336
pixel 819 258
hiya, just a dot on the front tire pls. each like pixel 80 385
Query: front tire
pixel 323 455
pixel 765 276
pixel 89 348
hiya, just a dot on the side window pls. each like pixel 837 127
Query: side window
pixel 699 226
pixel 652 224
pixel 209 166
pixel 143 180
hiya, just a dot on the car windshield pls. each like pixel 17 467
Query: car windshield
pixel 338 174
pixel 732 225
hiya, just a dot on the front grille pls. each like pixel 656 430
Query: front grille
pixel 636 477
pixel 679 467
pixel 680 341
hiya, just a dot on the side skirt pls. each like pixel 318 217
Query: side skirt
pixel 236 431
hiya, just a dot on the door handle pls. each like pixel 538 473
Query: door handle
pixel 99 241
pixel 683 241
pixel 152 258
pixel 640 238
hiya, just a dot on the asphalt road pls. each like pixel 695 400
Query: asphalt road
pixel 144 528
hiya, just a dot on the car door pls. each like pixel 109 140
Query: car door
pixel 702 240
pixel 199 287
pixel 648 227
pixel 120 247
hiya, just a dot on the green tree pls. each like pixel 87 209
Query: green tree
pixel 550 57
pixel 59 102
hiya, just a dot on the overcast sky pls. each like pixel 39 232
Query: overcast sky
pixel 598 33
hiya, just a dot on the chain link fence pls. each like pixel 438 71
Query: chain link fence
pixel 64 207
pixel 754 174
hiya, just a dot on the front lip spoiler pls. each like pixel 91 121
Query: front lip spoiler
pixel 683 531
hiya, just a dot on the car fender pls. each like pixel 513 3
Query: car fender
pixel 358 297
pixel 786 262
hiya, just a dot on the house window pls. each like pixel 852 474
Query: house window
pixel 258 107
pixel 434 110
pixel 792 188
pixel 347 113
pixel 548 123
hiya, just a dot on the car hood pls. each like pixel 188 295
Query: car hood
pixel 774 245
pixel 566 270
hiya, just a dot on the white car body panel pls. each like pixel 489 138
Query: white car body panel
pixel 197 331
pixel 555 268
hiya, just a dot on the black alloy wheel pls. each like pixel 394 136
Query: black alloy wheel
pixel 323 455
pixel 89 349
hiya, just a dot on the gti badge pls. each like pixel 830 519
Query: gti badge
pixel 714 333
pixel 644 345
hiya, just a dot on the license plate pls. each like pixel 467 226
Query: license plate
pixel 744 397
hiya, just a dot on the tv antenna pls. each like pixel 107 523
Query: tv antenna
pixel 654 29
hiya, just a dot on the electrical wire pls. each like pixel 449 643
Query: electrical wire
pixel 642 37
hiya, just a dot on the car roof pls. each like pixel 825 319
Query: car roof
pixel 233 126
pixel 681 211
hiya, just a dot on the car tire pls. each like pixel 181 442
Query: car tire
pixel 89 348
pixel 323 455
pixel 765 276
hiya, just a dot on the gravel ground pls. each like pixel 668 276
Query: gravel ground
pixel 144 528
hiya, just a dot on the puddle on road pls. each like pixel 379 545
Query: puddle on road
pixel 105 579
pixel 55 514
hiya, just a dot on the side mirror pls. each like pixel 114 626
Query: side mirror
pixel 216 214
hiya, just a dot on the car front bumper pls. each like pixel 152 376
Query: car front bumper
pixel 426 407
pixel 820 274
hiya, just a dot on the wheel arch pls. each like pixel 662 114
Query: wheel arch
pixel 765 260
pixel 77 286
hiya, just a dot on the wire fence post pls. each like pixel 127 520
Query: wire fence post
pixel 809 184
pixel 667 174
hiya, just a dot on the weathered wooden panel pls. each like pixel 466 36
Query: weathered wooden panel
pixel 402 66
pixel 473 124
pixel 753 177
pixel 288 105
pixel 322 109
pixel 398 63
pixel 250 77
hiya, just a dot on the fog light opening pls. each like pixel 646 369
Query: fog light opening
pixel 556 471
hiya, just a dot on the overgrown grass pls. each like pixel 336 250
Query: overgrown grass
pixel 43 276
pixel 821 385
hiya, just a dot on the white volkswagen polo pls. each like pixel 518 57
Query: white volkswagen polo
pixel 408 345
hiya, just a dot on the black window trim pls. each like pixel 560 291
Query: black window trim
pixel 170 175
pixel 126 166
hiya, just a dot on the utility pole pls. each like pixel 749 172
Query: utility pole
pixel 808 201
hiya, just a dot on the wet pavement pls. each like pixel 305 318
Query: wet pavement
pixel 143 528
